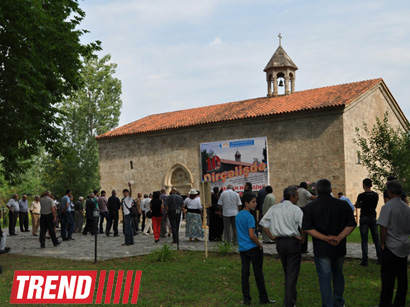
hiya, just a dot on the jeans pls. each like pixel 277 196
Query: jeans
pixel 103 215
pixel 369 223
pixel 174 219
pixel 129 229
pixel 393 267
pixel 254 255
pixel 67 224
pixel 328 268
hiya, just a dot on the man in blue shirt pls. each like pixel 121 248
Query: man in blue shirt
pixel 251 250
pixel 14 209
pixel 67 221
pixel 342 197
pixel 23 213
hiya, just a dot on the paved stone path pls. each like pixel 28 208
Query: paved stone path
pixel 82 248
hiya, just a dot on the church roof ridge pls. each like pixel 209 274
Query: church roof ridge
pixel 311 99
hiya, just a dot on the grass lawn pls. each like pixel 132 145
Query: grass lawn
pixel 192 280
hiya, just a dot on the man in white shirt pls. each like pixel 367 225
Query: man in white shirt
pixel 283 223
pixel 144 209
pixel 230 202
pixel 127 203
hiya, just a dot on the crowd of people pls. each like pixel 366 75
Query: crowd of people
pixel 329 221
pixel 240 218
pixel 156 214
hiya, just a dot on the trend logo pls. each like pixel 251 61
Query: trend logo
pixel 73 287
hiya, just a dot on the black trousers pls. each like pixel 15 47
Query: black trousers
pixel 89 226
pixel 112 221
pixel 254 255
pixel 12 222
pixel 174 220
pixel 164 224
pixel 305 244
pixel 46 222
pixel 23 217
pixel 289 250
pixel 137 221
pixel 393 267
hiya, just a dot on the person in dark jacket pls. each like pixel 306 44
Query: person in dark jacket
pixel 114 205
pixel 216 224
pixel 89 208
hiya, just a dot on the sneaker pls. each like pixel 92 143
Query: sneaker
pixel 269 301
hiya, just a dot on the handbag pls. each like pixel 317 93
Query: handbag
pixel 149 214
pixel 132 210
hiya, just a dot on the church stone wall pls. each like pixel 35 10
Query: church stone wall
pixel 365 110
pixel 301 147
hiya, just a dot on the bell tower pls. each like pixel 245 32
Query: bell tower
pixel 280 71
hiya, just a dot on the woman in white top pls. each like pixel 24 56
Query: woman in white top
pixel 193 218
pixel 148 222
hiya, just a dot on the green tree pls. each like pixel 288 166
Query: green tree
pixel 91 110
pixel 40 60
pixel 385 151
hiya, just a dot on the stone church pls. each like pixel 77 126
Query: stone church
pixel 309 133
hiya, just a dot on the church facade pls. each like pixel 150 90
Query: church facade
pixel 310 135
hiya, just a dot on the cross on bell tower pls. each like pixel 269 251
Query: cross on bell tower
pixel 280 69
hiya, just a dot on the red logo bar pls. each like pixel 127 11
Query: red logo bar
pixel 72 287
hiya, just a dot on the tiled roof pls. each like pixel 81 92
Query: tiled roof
pixel 320 98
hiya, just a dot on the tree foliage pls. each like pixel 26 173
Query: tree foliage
pixel 40 60
pixel 91 110
pixel 385 151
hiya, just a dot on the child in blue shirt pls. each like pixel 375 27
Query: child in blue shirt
pixel 251 250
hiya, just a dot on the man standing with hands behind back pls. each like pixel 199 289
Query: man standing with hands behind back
pixel 329 221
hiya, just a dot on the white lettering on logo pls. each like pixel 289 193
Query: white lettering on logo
pixel 49 286
pixel 79 293
pixel 66 287
pixel 22 282
pixel 36 282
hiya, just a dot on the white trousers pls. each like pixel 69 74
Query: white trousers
pixel 3 242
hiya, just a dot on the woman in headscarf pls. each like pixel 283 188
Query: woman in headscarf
pixel 193 217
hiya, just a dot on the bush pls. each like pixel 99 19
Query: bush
pixel 224 248
pixel 162 254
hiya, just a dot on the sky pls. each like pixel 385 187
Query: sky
pixel 180 54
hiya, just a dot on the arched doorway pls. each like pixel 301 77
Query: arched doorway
pixel 179 176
